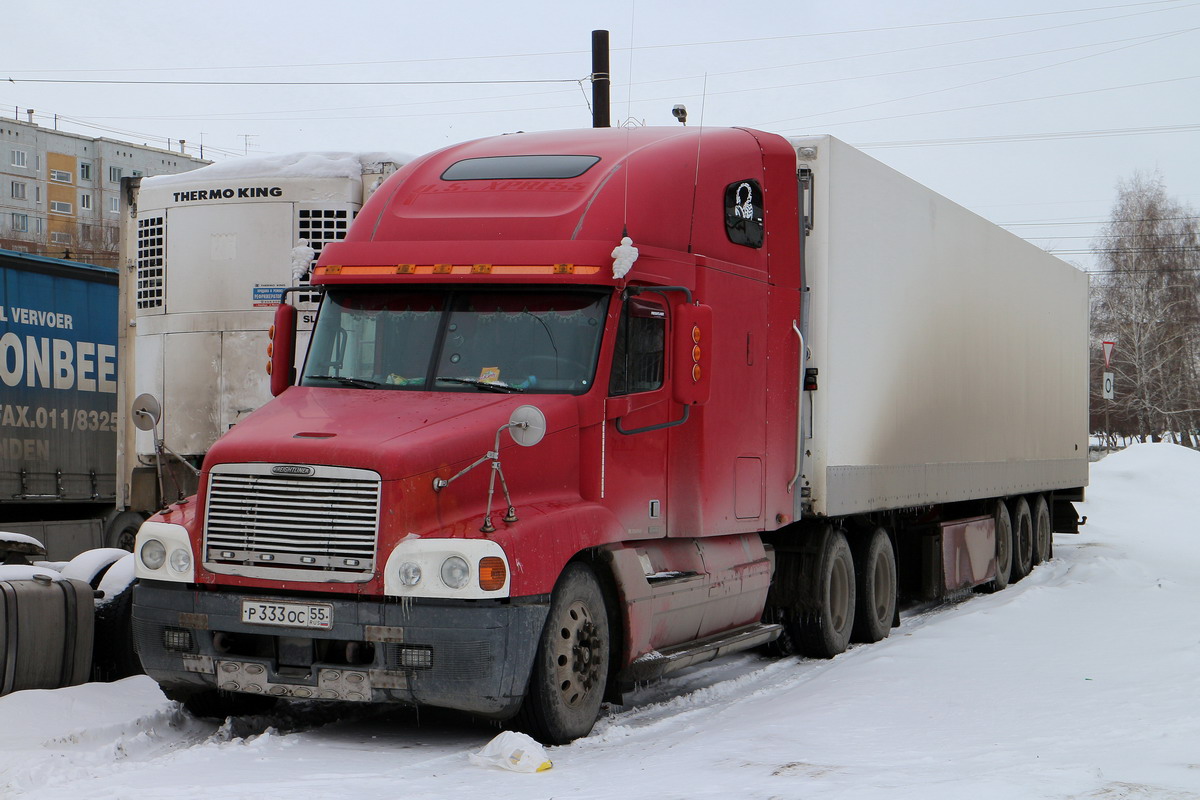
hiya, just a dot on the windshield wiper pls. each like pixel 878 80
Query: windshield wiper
pixel 487 386
pixel 362 383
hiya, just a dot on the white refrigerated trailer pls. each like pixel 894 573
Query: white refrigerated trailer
pixel 206 257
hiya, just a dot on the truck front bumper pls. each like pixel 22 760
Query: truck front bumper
pixel 473 656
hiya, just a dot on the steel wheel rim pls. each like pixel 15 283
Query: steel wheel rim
pixel 577 655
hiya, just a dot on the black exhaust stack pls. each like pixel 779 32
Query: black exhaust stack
pixel 601 80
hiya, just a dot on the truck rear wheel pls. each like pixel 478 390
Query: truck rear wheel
pixel 570 669
pixel 876 588
pixel 1041 529
pixel 1022 538
pixel 825 631
pixel 1004 548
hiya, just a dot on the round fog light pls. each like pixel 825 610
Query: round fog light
pixel 153 554
pixel 410 573
pixel 455 572
pixel 181 560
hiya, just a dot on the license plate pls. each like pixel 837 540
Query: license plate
pixel 288 615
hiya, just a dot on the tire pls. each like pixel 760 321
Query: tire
pixel 1041 529
pixel 1004 548
pixel 90 566
pixel 825 631
pixel 1022 538
pixel 570 669
pixel 875 606
pixel 113 655
pixel 216 704
pixel 122 530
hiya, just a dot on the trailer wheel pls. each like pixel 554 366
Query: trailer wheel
pixel 1041 529
pixel 1004 548
pixel 876 589
pixel 1022 538
pixel 825 631
pixel 570 670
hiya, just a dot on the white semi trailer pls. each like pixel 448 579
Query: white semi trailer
pixel 206 256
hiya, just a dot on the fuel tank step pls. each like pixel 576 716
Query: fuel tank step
pixel 671 659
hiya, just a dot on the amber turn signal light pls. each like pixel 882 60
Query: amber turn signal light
pixel 492 573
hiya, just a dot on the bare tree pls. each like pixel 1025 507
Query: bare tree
pixel 1147 300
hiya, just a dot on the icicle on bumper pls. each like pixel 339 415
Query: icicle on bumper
pixel 513 751
pixel 623 255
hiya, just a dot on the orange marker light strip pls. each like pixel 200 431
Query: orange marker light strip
pixel 458 269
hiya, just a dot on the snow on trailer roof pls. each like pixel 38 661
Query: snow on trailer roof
pixel 315 164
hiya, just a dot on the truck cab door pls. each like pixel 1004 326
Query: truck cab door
pixel 638 410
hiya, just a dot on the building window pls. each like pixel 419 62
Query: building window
pixel 59 207
pixel 85 170
pixel 58 237
pixel 18 190
pixel 85 201
pixel 20 223
pixel 20 158
pixel 59 176
pixel 114 174
pixel 114 205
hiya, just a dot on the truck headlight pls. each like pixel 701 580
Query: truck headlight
pixel 410 573
pixel 462 569
pixel 456 573
pixel 181 560
pixel 164 553
pixel 153 554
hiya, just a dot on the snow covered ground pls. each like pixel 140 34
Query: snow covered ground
pixel 1082 681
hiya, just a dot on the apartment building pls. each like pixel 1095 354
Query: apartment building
pixel 60 192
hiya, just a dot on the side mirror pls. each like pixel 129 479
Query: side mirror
pixel 282 349
pixel 692 344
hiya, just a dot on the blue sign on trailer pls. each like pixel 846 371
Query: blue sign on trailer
pixel 58 381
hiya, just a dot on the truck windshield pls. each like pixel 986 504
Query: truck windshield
pixel 457 340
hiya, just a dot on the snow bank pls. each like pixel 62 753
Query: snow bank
pixel 1077 682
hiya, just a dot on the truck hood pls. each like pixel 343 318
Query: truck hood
pixel 399 434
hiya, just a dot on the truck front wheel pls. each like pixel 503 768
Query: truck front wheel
pixel 825 631
pixel 570 669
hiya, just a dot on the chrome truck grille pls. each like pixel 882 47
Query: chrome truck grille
pixel 308 523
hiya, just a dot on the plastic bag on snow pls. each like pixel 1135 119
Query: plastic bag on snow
pixel 515 751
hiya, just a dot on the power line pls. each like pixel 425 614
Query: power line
pixel 1099 221
pixel 89 81
pixel 1170 5
pixel 1002 102
pixel 1032 137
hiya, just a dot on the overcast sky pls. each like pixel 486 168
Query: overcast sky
pixel 1026 111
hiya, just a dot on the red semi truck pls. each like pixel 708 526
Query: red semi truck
pixel 584 408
